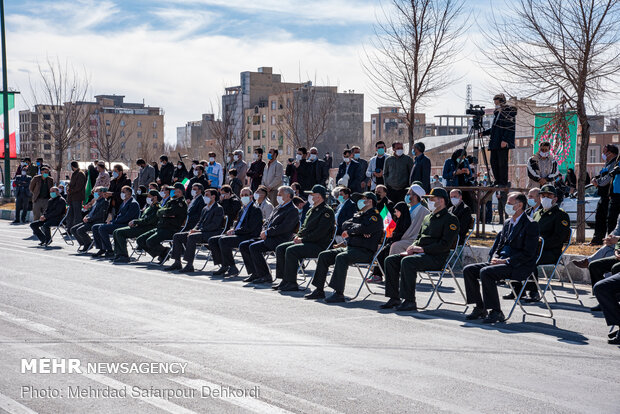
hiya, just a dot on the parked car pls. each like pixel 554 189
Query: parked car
pixel 570 205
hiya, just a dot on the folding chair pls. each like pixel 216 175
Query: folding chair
pixel 465 243
pixel 66 235
pixel 202 245
pixel 170 245
pixel 575 296
pixel 135 250
pixel 441 273
pixel 303 264
pixel 368 267
pixel 532 278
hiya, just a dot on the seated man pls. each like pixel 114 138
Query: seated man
pixel 363 234
pixel 313 237
pixel 429 251
pixel 247 227
pixel 607 292
pixel 345 211
pixel 462 212
pixel 554 228
pixel 129 210
pixel 136 228
pixel 230 203
pixel 278 229
pixel 599 267
pixel 209 225
pixel 197 203
pixel 606 251
pixel 533 202
pixel 52 216
pixel 513 256
pixel 171 219
pixel 263 202
pixel 96 215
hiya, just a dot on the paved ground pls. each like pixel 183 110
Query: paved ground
pixel 302 356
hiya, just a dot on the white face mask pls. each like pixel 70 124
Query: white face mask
pixel 544 154
pixel 229 159
pixel 139 192
pixel 179 167
pixel 346 159
pixel 236 157
pixel 211 159
pixel 24 173
pixel 255 156
pixel 431 206
pixel 149 201
pixel 123 196
pixel 604 157
pixel 280 200
pixel 206 199
pixel 162 194
pixel 298 157
pixel 195 173
pixel 312 157
pixel 311 201
pixel 245 200
pixel 509 209
pixel 194 192
pixel 455 201
pixel 256 196
pixel 399 152
pixel 546 203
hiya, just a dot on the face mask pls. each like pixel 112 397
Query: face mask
pixel 24 164
pixel 455 201
pixel 509 209
pixel 123 196
pixel 407 199
pixel 139 192
pixel 172 193
pixel 245 200
pixel 115 174
pixel 604 157
pixel 24 173
pixel 298 157
pixel 357 155
pixel 399 152
pixel 206 199
pixel 531 202
pixel 227 159
pixel 162 163
pixel 413 152
pixel 346 159
pixel 280 200
pixel 162 194
pixel 193 192
pixel 300 210
pixel 96 196
pixel 311 201
pixel 195 173
pixel 256 196
pixel 313 157
pixel 361 204
pixel 149 201
pixel 341 199
pixel 236 157
pixel 211 159
pixel 431 205
pixel 380 151
pixel 544 154
pixel 45 175
pixel 53 195
pixel 38 163
pixel 546 203
pixel 269 156
pixel 255 156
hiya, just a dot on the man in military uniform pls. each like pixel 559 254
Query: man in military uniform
pixel 428 252
pixel 363 235
pixel 171 219
pixel 146 222
pixel 313 237
pixel 554 228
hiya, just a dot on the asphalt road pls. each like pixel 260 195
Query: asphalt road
pixel 297 355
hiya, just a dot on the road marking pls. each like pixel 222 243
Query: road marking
pixel 13 407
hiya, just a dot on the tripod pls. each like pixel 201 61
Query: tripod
pixel 478 143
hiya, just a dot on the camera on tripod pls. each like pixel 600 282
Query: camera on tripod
pixel 477 112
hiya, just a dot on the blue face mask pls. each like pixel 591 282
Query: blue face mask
pixel 531 202
pixel 115 174
pixel 96 195
pixel 53 195
pixel 407 199
pixel 171 193
pixel 341 199
pixel 301 210
pixel 357 156
pixel 361 204
pixel 380 151
pixel 269 156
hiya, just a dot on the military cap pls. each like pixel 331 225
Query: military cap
pixel 318 189
pixel 438 192
pixel 549 189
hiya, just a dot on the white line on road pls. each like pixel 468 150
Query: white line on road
pixel 13 407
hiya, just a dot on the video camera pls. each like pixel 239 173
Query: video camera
pixel 477 112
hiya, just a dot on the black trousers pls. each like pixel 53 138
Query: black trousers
pixel 607 293
pixel 397 195
pixel 600 219
pixel 80 232
pixel 184 244
pixel 488 275
pixel 288 256
pixel 252 252
pixel 499 165
pixel 221 249
pixel 613 212
pixel 75 213
pixel 22 203
pixel 41 229
pixel 599 267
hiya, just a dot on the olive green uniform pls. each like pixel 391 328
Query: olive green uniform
pixel 170 220
pixel 437 237
pixel 316 234
pixel 146 222
pixel 360 249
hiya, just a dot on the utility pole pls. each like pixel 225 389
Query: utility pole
pixel 5 102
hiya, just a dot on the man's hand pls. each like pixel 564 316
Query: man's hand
pixel 159 181
pixel 108 194
pixel 42 218
pixel 363 184
pixel 345 234
pixel 367 236
pixel 85 219
pixel 193 231
pixel 504 144
pixel 230 232
pixel 131 223
pixel 108 221
pixel 414 250
pixel 378 174
pixel 496 261
pixel 611 240
pixel 263 235
pixel 297 240
pixel 593 182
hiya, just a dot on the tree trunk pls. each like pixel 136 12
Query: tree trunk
pixel 411 126
pixel 59 166
pixel 581 181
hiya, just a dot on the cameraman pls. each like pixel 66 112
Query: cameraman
pixel 502 133
pixel 608 206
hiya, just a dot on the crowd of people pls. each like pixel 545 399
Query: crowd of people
pixel 389 202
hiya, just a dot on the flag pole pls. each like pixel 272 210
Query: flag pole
pixel 5 102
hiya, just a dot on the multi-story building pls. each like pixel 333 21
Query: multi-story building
pixel 197 138
pixel 36 129
pixel 390 125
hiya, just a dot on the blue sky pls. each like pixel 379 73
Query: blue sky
pixel 180 54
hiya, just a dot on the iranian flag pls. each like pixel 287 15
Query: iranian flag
pixel 185 182
pixel 388 224
pixel 12 146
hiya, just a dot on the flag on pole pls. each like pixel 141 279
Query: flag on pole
pixel 185 182
pixel 388 224
pixel 88 188
pixel 12 145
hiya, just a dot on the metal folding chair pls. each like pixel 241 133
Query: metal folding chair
pixel 465 243
pixel 368 267
pixel 303 264
pixel 549 278
pixel 202 246
pixel 169 242
pixel 532 278
pixel 66 235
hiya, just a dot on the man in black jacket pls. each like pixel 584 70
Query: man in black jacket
pixel 462 212
pixel 248 226
pixel 52 215
pixel 195 206
pixel 513 256
pixel 421 170
pixel 230 203
pixel 166 172
pixel 278 229
pixel 199 178
pixel 603 182
pixel 350 173
pixel 209 225
pixel 319 168
pixel 502 133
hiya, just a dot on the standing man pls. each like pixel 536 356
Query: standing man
pixel 40 189
pixel 76 195
pixel 319 169
pixel 542 168
pixel 357 157
pixel 329 161
pixel 502 133
pixel 31 168
pixel 166 171
pixel 421 170
pixel 303 169
pixel 255 172
pixel 22 195
pixel 214 172
pixel 602 182
pixel 376 165
pixel 240 165
pixel 146 175
pixel 272 176
pixel 54 212
pixel 199 177
pixel 396 173
pixel 350 173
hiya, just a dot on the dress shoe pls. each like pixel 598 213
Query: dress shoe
pixel 615 340
pixel 99 253
pixel 392 303
pixel 534 297
pixel 279 285
pixel 163 257
pixel 317 294
pixel 261 280
pixel 407 306
pixel 188 269
pixel 251 278
pixel 42 243
pixel 109 254
pixel 596 308
pixel 582 264
pixel 335 298
pixel 613 334
pixel 509 296
pixel 222 270
pixel 15 222
pixel 289 287
pixel 232 271
pixel 175 266
pixel 494 316
pixel 121 259
pixel 477 313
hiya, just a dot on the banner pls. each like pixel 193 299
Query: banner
pixel 12 129
pixel 560 129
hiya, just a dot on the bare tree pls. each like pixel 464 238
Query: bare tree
pixel 414 48
pixel 110 135
pixel 307 113
pixel 59 87
pixel 230 129
pixel 565 48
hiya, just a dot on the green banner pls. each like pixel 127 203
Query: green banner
pixel 560 129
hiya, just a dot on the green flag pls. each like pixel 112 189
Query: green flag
pixel 88 188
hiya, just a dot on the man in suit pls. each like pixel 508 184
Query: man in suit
pixel 312 238
pixel 199 177
pixel 22 195
pixel 76 195
pixel 255 172
pixel 396 173
pixel 272 175
pixel 52 216
pixel 96 215
pixel 513 256
pixel 462 212
pixel 607 292
pixel 357 157
pixel 194 210
pixel 421 170
pixel 319 169
pixel 533 202
pixel 349 173
pixel 146 174
pixel 128 211
pixel 230 203
pixel 166 171
pixel 303 169
pixel 209 225
pixel 502 133
pixel 346 209
pixel 278 229
pixel 40 189
pixel 247 226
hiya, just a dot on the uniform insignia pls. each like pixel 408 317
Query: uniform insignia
pixel 327 215
pixel 373 218
pixel 452 226
pixel 565 223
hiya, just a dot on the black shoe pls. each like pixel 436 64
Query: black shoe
pixel 188 269
pixel 109 254
pixel 407 306
pixel 261 280
pixel 221 271
pixel 494 316
pixel 289 287
pixel 121 259
pixel 534 297
pixel 232 271
pixel 596 308
pixel 317 294
pixel 477 313
pixel 15 222
pixel 615 340
pixel 335 298
pixel 163 257
pixel 509 296
pixel 279 285
pixel 81 249
pixel 251 278
pixel 392 303
pixel 100 253
pixel 613 334
pixel 175 266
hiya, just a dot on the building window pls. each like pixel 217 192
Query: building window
pixel 249 120
pixel 139 134
pixel 122 123
pixel 47 146
pixel 249 133
pixel 373 121
pixel 139 145
pixel 594 154
pixel 154 145
pixel 122 133
pixel 107 122
pixel 273 105
pixel 264 118
pixel 273 135
pixel 154 124
pixel 139 124
pixel 154 134
pixel 78 146
pixel 264 133
pixel 122 145
pixel 47 136
pixel 47 117
pixel 273 120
